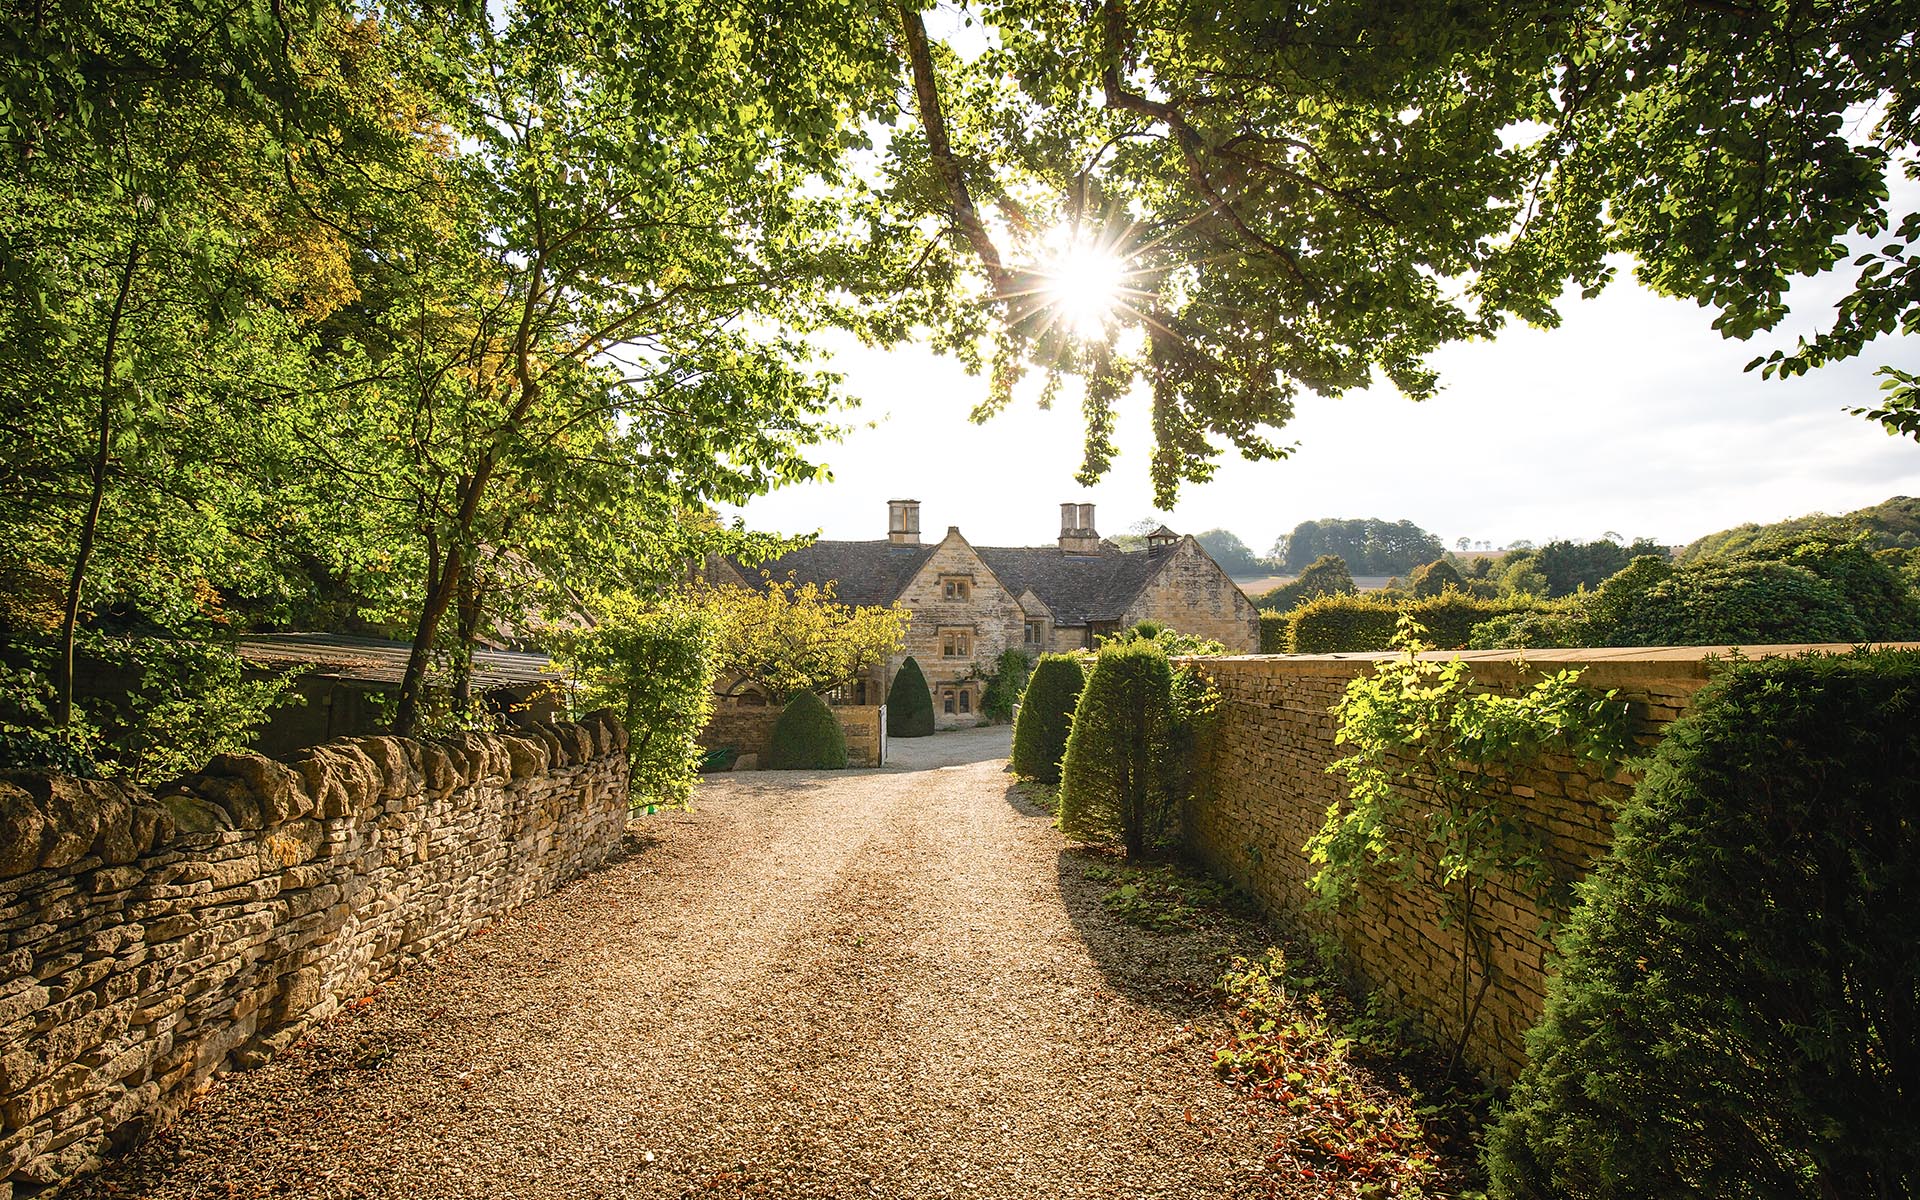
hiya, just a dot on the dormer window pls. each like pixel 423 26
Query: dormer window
pixel 957 588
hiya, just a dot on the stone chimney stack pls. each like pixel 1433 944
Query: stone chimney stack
pixel 903 522
pixel 1077 534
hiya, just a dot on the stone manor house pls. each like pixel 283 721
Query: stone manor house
pixel 969 603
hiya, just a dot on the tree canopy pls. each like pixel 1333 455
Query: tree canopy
pixel 1307 198
pixel 1370 546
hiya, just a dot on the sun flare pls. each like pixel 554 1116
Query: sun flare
pixel 1085 284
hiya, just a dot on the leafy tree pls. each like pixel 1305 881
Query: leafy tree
pixel 1732 1013
pixel 909 702
pixel 1230 553
pixel 807 737
pixel 1325 576
pixel 611 326
pixel 1046 716
pixel 1418 812
pixel 788 637
pixel 169 201
pixel 1299 202
pixel 654 665
pixel 1369 546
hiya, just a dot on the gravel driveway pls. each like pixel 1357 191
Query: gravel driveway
pixel 865 983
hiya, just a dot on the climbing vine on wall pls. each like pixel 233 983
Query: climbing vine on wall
pixel 1423 808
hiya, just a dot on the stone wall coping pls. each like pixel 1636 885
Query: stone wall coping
pixel 49 820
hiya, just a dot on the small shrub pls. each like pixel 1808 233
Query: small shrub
pixel 1113 779
pixel 1046 714
pixel 909 702
pixel 807 737
pixel 1735 1009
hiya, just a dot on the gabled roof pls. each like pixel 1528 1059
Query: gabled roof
pixel 862 572
pixel 1079 588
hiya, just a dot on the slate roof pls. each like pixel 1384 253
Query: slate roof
pixel 1078 588
pixel 862 572
pixel 374 660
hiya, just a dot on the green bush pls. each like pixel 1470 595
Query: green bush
pixel 1887 607
pixel 1004 686
pixel 909 702
pixel 1325 576
pixel 1342 624
pixel 1548 627
pixel 1273 633
pixel 1114 779
pixel 807 737
pixel 655 667
pixel 1339 623
pixel 1735 1013
pixel 1751 602
pixel 1046 713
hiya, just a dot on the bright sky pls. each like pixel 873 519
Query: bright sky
pixel 1634 416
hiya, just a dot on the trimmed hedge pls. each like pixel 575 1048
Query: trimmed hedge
pixel 1114 780
pixel 1046 714
pixel 1340 624
pixel 1273 633
pixel 909 702
pixel 1736 1009
pixel 807 737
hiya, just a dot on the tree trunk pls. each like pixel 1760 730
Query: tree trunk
pixel 90 525
pixel 440 592
pixel 470 608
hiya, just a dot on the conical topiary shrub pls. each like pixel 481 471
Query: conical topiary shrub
pixel 807 737
pixel 1046 713
pixel 1114 780
pixel 909 703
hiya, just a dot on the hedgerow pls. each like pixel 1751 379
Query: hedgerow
pixel 1735 1012
pixel 1336 624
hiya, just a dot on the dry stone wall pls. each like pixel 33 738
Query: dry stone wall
pixel 749 730
pixel 1264 791
pixel 151 940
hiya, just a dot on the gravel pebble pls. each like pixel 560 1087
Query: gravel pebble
pixel 889 983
